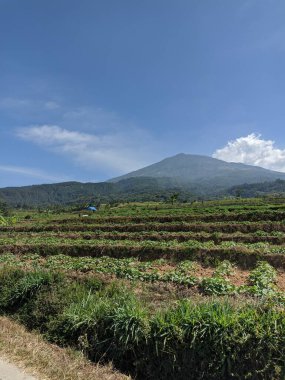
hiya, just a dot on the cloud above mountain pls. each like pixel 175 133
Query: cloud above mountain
pixel 118 150
pixel 253 150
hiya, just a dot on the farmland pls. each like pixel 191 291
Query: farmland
pixel 159 289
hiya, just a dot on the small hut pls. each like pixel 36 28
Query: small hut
pixel 91 208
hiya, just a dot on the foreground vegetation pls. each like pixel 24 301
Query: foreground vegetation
pixel 210 340
pixel 160 290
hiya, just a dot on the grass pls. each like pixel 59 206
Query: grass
pixel 107 322
pixel 48 361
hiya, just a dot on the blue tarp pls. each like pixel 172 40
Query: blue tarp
pixel 91 208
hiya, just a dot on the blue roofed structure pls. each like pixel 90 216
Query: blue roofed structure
pixel 91 208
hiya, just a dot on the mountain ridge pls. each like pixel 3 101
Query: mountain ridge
pixel 188 168
pixel 191 176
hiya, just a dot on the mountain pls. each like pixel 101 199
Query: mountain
pixel 204 171
pixel 191 176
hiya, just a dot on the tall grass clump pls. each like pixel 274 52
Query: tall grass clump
pixel 17 287
pixel 107 324
pixel 212 340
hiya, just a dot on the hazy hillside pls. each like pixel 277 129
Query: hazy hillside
pixel 258 189
pixel 66 193
pixel 207 171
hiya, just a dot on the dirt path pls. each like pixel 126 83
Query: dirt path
pixel 9 371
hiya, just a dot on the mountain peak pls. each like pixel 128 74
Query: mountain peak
pixel 192 168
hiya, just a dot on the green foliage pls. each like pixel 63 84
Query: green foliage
pixel 44 306
pixel 211 340
pixel 225 268
pixel 7 221
pixel 9 276
pixel 17 286
pixel 4 208
pixel 76 195
pixel 214 341
pixel 259 188
pixel 217 286
pixel 262 279
pixel 3 221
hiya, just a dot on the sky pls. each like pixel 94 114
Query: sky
pixel 94 89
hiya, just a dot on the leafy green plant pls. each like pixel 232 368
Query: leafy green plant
pixel 3 221
pixel 217 286
pixel 225 268
pixel 262 279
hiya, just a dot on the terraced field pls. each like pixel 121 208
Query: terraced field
pixel 151 268
pixel 240 232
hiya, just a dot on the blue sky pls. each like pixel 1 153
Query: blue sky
pixel 93 89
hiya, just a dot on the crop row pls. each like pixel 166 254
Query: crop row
pixel 223 227
pixel 128 243
pixel 258 236
pixel 244 256
pixel 241 216
pixel 260 281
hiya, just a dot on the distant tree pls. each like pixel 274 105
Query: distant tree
pixel 4 209
pixel 238 193
pixel 173 198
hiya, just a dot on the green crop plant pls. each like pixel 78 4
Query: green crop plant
pixel 262 279
pixel 217 286
pixel 186 266
pixel 225 268
pixel 3 221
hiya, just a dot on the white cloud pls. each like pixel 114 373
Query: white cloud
pixel 93 138
pixel 51 135
pixel 30 172
pixel 118 150
pixel 253 150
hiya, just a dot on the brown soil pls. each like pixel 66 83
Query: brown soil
pixel 281 280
